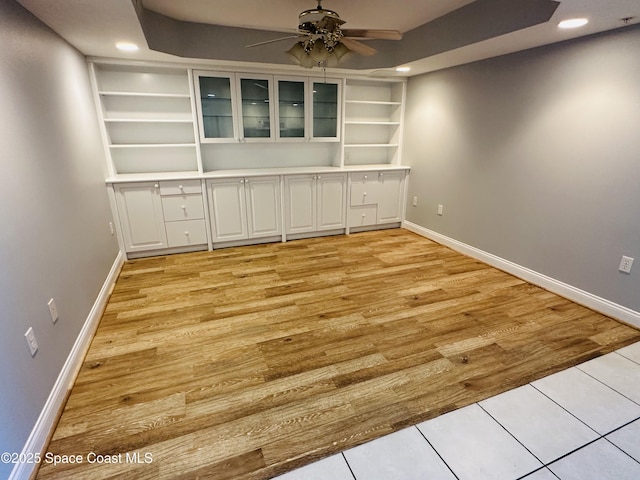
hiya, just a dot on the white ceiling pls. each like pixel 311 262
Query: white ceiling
pixel 94 26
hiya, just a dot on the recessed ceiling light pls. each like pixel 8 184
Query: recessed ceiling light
pixel 127 46
pixel 403 69
pixel 573 23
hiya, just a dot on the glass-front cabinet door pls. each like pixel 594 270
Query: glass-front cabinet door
pixel 256 108
pixel 216 107
pixel 325 117
pixel 291 114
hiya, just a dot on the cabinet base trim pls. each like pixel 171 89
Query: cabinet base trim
pixel 322 233
pixel 582 297
pixel 167 251
pixel 369 228
pixel 248 241
pixel 43 428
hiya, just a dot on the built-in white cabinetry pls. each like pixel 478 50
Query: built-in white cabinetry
pixel 206 159
pixel 315 202
pixel 161 215
pixel 148 118
pixel 238 107
pixel 141 218
pixel 376 198
pixel 183 210
pixel 244 208
pixel 373 121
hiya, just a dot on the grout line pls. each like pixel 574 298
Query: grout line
pixel 608 386
pixel 570 413
pixel 624 356
pixel 616 446
pixel 437 453
pixel 513 436
pixel 348 466
pixel 544 467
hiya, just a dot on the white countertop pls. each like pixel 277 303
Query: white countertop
pixel 249 172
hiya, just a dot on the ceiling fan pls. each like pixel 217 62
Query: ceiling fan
pixel 322 42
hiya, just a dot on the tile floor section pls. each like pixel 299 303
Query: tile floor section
pixel 582 423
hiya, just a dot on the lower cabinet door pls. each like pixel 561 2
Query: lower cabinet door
pixel 263 206
pixel 186 232
pixel 227 208
pixel 141 218
pixel 390 197
pixel 332 199
pixel 300 203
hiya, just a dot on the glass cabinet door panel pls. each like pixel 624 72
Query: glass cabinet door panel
pixel 217 113
pixel 256 118
pixel 325 110
pixel 291 109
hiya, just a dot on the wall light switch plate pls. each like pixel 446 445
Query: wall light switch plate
pixel 440 209
pixel 625 264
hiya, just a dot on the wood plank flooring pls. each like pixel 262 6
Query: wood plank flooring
pixel 244 363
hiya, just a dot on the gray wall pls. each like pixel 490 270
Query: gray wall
pixel 54 213
pixel 536 159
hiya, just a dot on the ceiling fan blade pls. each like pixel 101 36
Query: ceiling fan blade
pixel 379 34
pixel 267 42
pixel 358 47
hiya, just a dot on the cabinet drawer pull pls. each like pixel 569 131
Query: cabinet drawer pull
pixel 155 185
pixel 381 174
pixel 365 177
pixel 183 207
pixel 364 215
pixel 186 233
pixel 319 177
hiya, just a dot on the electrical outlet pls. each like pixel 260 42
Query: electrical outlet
pixel 440 209
pixel 626 264
pixel 53 310
pixel 415 201
pixel 31 341
pixel 113 232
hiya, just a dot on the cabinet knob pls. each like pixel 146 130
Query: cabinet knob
pixel 186 233
pixel 364 215
pixel 242 180
pixel 365 177
pixel 155 185
pixel 381 174
pixel 319 177
pixel 183 207
pixel 364 194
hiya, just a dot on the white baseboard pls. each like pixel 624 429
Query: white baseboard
pixel 565 290
pixel 49 415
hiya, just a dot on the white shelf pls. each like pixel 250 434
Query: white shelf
pixel 370 145
pixel 370 122
pixel 372 102
pixel 147 120
pixel 373 121
pixel 138 94
pixel 153 145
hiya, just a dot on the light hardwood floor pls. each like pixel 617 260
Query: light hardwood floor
pixel 244 363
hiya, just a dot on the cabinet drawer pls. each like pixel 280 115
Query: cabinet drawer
pixel 363 216
pixel 364 193
pixel 182 207
pixel 186 232
pixel 363 177
pixel 180 187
